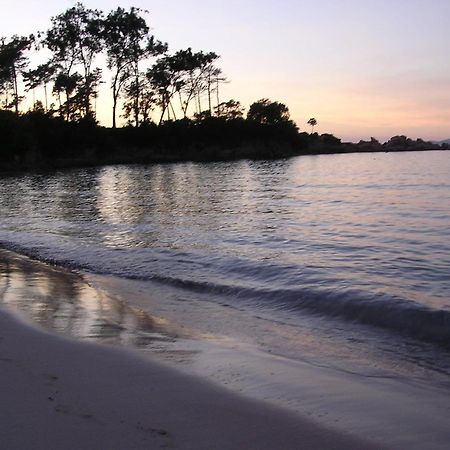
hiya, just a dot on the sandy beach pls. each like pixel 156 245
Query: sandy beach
pixel 156 387
pixel 57 394
pixel 60 393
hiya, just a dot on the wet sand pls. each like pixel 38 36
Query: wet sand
pixel 57 393
pixel 172 388
pixel 60 393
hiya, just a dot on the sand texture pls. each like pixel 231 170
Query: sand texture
pixel 61 394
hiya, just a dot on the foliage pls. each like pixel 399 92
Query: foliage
pixel 312 122
pixel 267 112
pixel 42 75
pixel 140 102
pixel 164 77
pixel 75 39
pixel 12 62
pixel 229 110
pixel 186 74
pixel 126 39
pixel 128 43
pixel 169 100
pixel 71 78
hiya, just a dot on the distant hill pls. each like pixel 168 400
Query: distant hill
pixel 445 141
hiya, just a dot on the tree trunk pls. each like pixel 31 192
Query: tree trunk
pixel 16 92
pixel 186 104
pixel 209 93
pixel 115 96
pixel 87 99
pixel 181 104
pixel 217 96
pixel 114 114
pixel 46 99
pixel 137 95
pixel 199 103
pixel 168 109
pixel 162 114
pixel 173 111
pixel 67 106
pixel 61 113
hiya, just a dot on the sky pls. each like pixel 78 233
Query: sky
pixel 362 68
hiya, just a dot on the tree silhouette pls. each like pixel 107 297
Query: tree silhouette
pixel 180 68
pixel 140 97
pixel 230 110
pixel 202 81
pixel 69 85
pixel 212 75
pixel 165 78
pixel 75 39
pixel 125 34
pixel 195 75
pixel 266 112
pixel 218 78
pixel 142 50
pixel 313 123
pixel 12 63
pixel 42 75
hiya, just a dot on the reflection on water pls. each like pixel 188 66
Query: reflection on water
pixel 378 222
pixel 361 237
pixel 66 304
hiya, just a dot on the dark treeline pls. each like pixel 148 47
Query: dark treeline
pixel 34 140
pixel 170 101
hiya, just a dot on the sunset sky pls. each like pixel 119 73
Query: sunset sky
pixel 361 68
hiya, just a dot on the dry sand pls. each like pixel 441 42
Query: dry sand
pixel 61 394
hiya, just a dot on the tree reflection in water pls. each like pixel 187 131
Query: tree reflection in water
pixel 63 302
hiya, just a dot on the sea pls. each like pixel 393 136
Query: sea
pixel 340 261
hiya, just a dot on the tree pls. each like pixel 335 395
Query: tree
pixel 212 79
pixel 313 123
pixel 218 78
pixel 42 75
pixel 75 39
pixel 184 64
pixel 266 112
pixel 69 85
pixel 126 38
pixel 191 74
pixel 200 73
pixel 12 63
pixel 229 110
pixel 165 78
pixel 145 102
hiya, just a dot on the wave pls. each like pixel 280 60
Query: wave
pixel 252 284
pixel 380 310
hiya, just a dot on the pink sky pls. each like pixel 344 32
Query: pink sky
pixel 361 68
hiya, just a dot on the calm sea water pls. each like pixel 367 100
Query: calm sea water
pixel 359 240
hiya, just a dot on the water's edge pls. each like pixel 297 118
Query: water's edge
pixel 95 308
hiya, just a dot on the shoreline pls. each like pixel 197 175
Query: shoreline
pixel 232 154
pixel 38 142
pixel 58 393
pixel 304 402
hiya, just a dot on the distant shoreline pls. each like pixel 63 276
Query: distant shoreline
pixel 151 156
pixel 37 142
